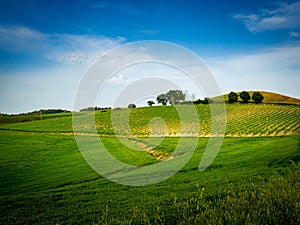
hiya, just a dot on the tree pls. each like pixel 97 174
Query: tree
pixel 232 97
pixel 131 106
pixel 245 96
pixel 207 100
pixel 197 102
pixel 150 103
pixel 163 99
pixel 257 97
pixel 175 96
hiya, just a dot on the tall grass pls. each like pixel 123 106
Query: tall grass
pixel 45 180
pixel 273 201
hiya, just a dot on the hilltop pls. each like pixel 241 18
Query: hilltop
pixel 269 98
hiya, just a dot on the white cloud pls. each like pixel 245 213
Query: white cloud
pixel 83 49
pixel 276 69
pixel 120 78
pixel 25 91
pixel 294 34
pixel 21 39
pixel 284 16
pixel 70 48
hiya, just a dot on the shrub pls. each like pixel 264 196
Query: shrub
pixel 131 106
pixel 257 97
pixel 232 97
pixel 245 96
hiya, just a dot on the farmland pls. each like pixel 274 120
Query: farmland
pixel 242 120
pixel 255 178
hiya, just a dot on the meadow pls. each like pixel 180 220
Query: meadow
pixel 255 178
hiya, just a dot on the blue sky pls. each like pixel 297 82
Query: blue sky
pixel 47 46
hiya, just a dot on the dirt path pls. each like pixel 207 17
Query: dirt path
pixel 160 155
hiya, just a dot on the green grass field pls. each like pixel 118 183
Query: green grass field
pixel 254 179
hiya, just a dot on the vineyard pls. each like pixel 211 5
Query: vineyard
pixel 241 120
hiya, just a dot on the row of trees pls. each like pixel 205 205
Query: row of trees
pixel 257 97
pixel 178 97
pixel 94 109
pixel 172 97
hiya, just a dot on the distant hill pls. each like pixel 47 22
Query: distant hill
pixel 32 116
pixel 269 97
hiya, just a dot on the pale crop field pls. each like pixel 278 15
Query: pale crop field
pixel 241 120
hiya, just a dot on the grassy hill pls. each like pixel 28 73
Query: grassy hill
pixel 9 119
pixel 254 179
pixel 45 180
pixel 269 98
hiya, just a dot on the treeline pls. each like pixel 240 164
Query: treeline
pixel 174 97
pixel 89 109
pixel 38 112
pixel 199 101
pixel 257 97
pixel 177 97
pixel 47 111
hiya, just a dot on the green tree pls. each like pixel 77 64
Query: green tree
pixel 150 103
pixel 131 106
pixel 197 102
pixel 245 96
pixel 207 100
pixel 163 99
pixel 175 96
pixel 257 97
pixel 232 97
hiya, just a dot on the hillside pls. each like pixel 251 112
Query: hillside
pixel 242 120
pixel 254 178
pixel 269 98
pixel 45 179
pixel 277 119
